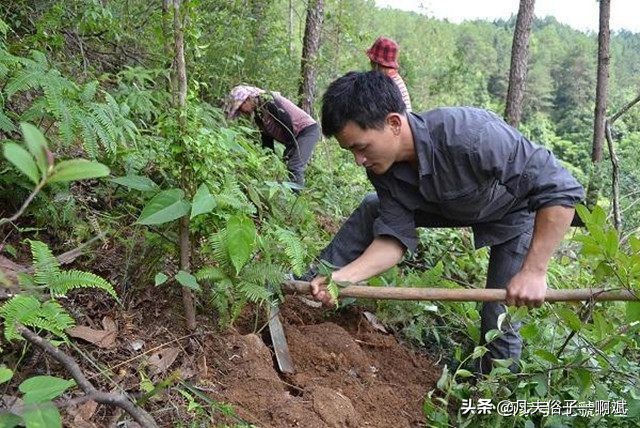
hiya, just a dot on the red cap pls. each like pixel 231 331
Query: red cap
pixel 384 51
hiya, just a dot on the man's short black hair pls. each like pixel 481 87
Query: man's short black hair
pixel 365 98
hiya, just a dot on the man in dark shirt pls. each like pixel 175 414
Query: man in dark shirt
pixel 446 167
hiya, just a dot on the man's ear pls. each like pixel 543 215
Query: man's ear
pixel 395 122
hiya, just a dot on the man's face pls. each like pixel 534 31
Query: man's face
pixel 375 149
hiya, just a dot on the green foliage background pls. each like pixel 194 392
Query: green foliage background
pixel 94 77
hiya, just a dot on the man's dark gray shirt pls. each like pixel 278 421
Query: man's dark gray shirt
pixel 473 170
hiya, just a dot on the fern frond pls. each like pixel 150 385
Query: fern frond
pixel 218 245
pixel 17 310
pixel 88 132
pixel 45 264
pixel 6 125
pixel 104 127
pixel 37 110
pixel 72 279
pixel 52 317
pixel 232 196
pixel 39 60
pixel 253 280
pixel 293 248
pixel 210 273
pixel 27 310
pixel 89 92
pixel 24 80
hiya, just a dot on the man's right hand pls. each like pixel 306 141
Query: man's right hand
pixel 320 292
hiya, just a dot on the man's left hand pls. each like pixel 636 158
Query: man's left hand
pixel 527 288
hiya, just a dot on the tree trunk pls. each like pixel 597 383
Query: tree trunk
pixel 181 100
pixel 519 58
pixel 602 86
pixel 168 51
pixel 310 47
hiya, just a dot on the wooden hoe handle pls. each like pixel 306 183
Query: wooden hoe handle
pixel 461 294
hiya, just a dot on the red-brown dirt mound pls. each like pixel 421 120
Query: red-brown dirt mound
pixel 347 374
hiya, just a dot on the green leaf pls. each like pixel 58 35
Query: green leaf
pixel 203 201
pixel 583 213
pixel 547 356
pixel 42 388
pixel 77 169
pixel 44 415
pixel 529 331
pixel 161 278
pixel 187 280
pixel 541 384
pixel 37 145
pixel 611 244
pixel 491 335
pixel 5 374
pixel 463 373
pixel 9 420
pixel 22 160
pixel 633 311
pixel 569 317
pixel 443 382
pixel 166 206
pixel 137 182
pixel 478 352
pixel 241 236
pixel 583 377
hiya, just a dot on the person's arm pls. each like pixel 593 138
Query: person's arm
pixel 383 253
pixel 529 286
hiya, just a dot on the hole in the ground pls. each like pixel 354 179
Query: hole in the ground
pixel 294 391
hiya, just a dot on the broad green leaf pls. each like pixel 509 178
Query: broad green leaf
pixel 5 374
pixel 583 376
pixel 611 244
pixel 42 415
pixel 203 201
pixel 187 280
pixel 241 235
pixel 583 213
pixel 569 317
pixel 161 278
pixel 137 182
pixel 529 331
pixel 42 388
pixel 547 356
pixel 166 206
pixel 598 216
pixel 37 145
pixel 22 160
pixel 9 420
pixel 77 169
pixel 633 311
pixel 541 384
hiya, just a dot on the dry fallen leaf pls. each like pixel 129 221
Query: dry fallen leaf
pixel 373 320
pixel 102 338
pixel 162 360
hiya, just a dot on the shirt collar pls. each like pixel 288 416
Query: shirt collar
pixel 422 143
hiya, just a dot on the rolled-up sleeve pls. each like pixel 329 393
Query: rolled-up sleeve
pixel 395 220
pixel 530 172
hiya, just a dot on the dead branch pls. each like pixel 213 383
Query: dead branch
pixel 119 400
pixel 615 172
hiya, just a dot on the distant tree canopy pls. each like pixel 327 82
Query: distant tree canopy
pixel 260 42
